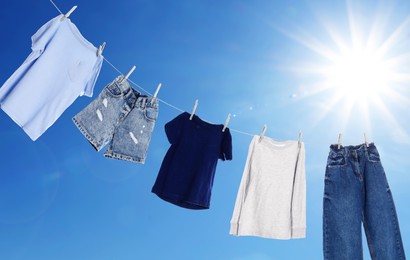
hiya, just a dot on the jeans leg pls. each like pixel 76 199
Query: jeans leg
pixel 342 214
pixel 380 218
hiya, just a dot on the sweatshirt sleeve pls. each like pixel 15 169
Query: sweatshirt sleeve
pixel 299 197
pixel 240 198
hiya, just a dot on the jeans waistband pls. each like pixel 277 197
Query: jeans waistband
pixel 358 149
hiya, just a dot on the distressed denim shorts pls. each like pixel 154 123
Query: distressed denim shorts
pixel 122 117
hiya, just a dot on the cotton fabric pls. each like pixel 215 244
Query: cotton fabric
pixel 271 200
pixel 187 172
pixel 62 66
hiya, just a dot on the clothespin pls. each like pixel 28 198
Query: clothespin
pixel 128 74
pixel 339 142
pixel 365 140
pixel 69 13
pixel 226 122
pixel 156 92
pixel 193 110
pixel 100 50
pixel 265 127
pixel 300 138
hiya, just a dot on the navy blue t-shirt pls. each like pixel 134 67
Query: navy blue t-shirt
pixel 187 172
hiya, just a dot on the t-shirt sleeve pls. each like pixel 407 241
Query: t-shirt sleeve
pixel 43 35
pixel 173 129
pixel 89 86
pixel 226 147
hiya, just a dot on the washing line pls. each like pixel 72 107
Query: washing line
pixel 161 100
pixel 166 103
pixel 138 86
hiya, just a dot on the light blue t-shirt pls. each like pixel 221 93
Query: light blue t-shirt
pixel 62 66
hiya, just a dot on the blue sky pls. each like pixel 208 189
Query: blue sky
pixel 283 64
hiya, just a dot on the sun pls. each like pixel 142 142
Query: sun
pixel 358 74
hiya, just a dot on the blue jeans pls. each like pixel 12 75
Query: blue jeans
pixel 122 117
pixel 356 191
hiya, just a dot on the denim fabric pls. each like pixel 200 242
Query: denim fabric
pixel 356 192
pixel 122 116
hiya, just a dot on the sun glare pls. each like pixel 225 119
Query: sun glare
pixel 361 76
pixel 358 74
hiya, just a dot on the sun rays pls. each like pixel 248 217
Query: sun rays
pixel 362 74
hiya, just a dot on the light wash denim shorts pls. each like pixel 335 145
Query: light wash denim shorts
pixel 121 116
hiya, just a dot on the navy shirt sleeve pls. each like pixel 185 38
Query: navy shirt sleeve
pixel 173 128
pixel 226 146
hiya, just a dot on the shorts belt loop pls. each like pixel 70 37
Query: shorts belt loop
pixel 149 102
pixel 144 100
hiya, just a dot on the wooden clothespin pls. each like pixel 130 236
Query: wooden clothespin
pixel 226 122
pixel 265 127
pixel 128 74
pixel 69 13
pixel 300 138
pixel 101 49
pixel 156 93
pixel 193 110
pixel 339 141
pixel 365 140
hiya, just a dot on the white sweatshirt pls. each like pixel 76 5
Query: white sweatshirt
pixel 271 199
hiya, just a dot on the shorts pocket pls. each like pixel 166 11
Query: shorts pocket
pixel 151 113
pixel 113 90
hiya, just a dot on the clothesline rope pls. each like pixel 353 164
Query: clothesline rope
pixel 58 9
pixel 163 101
pixel 146 91
pixel 138 86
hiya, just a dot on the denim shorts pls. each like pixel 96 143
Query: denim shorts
pixel 121 116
